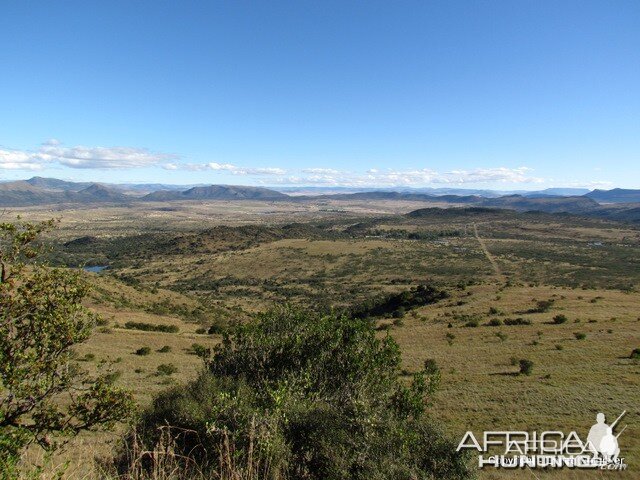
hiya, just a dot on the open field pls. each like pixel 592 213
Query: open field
pixel 220 262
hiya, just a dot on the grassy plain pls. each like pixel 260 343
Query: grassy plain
pixel 194 265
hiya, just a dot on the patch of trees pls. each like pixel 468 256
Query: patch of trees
pixel 398 303
pixel 150 327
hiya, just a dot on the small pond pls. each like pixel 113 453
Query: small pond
pixel 96 268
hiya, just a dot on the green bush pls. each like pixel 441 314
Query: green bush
pixel 199 350
pixel 42 320
pixel 542 306
pixel 165 349
pixel 494 322
pixel 502 336
pixel 167 369
pixel 472 323
pixel 517 321
pixel 150 327
pixel 142 351
pixel 216 329
pixel 431 366
pixel 526 366
pixel 635 354
pixel 312 397
pixel 580 335
pixel 560 319
pixel 397 304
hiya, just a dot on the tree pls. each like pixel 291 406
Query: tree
pixel 526 366
pixel 295 394
pixel 44 395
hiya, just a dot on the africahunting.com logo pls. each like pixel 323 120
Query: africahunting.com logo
pixel 549 449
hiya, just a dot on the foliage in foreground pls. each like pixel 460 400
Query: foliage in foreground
pixel 301 396
pixel 43 394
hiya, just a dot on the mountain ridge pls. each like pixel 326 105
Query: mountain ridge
pixel 621 204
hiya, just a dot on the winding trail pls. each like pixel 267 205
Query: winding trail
pixel 487 253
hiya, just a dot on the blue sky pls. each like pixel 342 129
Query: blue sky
pixel 491 94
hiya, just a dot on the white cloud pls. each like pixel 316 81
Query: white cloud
pixel 225 168
pixel 408 178
pixel 18 160
pixel 328 171
pixel 51 152
pixel 101 157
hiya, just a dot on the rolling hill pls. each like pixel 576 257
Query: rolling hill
pixel 217 192
pixel 617 195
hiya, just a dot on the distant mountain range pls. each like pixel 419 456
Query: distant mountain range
pixel 617 204
pixel 217 192
pixel 617 195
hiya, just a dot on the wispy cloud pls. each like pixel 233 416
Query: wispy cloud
pixel 321 171
pixel 410 177
pixel 52 152
pixel 18 160
pixel 224 168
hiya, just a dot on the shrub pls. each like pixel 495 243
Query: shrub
pixel 167 369
pixel 142 351
pixel 398 322
pixel 300 395
pixel 200 350
pixel 399 302
pixel 430 366
pixel 559 319
pixel 201 331
pixel 517 321
pixel 42 319
pixel 493 311
pixel 89 357
pixel 494 322
pixel 150 327
pixel 111 377
pixel 472 323
pixel 450 338
pixel 542 306
pixel 501 336
pixel 559 347
pixel 526 366
pixel 165 349
pixel 580 335
pixel 635 354
pixel 216 329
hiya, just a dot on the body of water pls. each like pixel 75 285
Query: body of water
pixel 96 268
